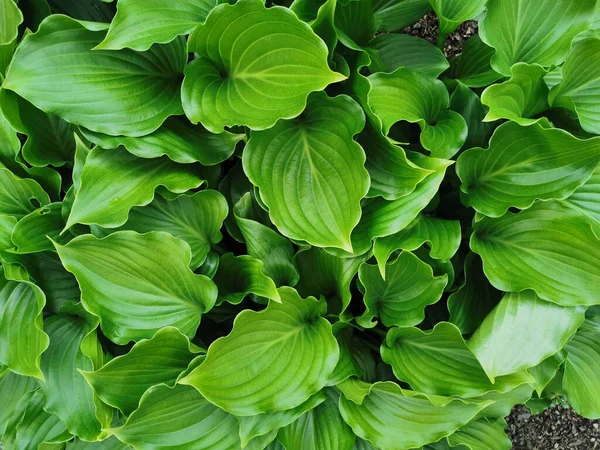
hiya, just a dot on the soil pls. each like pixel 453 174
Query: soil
pixel 557 428
pixel 427 28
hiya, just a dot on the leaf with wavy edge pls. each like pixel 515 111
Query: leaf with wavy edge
pixel 391 417
pixel 49 138
pixel 16 195
pixel 395 15
pixel 524 164
pixel 354 22
pixel 585 199
pixel 468 104
pixel 12 388
pixel 451 13
pixel 244 372
pixel 523 96
pixel 502 403
pixel 115 93
pixel 581 380
pixel 311 173
pixel 265 244
pixel 178 418
pixel 140 23
pixel 111 443
pixel 10 19
pixel 68 395
pixel 194 217
pixel 416 98
pixel 122 381
pixel 264 424
pixel 442 236
pixel 392 174
pixel 472 67
pixel 32 427
pixel 540 32
pixel 22 339
pixel 114 181
pixel 382 218
pixel 134 293
pixel 254 66
pixel 176 138
pixel 482 434
pixel 522 331
pixel 549 248
pixel 579 88
pixel 239 276
pixel 474 299
pixel 356 359
pixel 439 362
pixel 545 371
pixel 401 298
pixel 322 274
pixel 35 232
pixel 390 51
pixel 321 428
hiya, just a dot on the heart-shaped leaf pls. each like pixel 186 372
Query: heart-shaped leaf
pixel 243 372
pixel 255 72
pixel 17 195
pixel 134 293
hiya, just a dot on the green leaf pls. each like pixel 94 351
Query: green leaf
pixel 245 372
pixel 549 248
pixel 539 33
pixel 68 395
pixel 585 199
pixel 32 426
pixel 114 181
pixel 413 97
pixel 178 418
pixel 266 245
pixel 356 359
pixel 466 102
pixel 322 274
pixel 12 388
pixel 439 362
pixel 523 96
pixel 141 23
pixel 391 51
pixel 383 218
pixel 321 428
pixel 451 13
pixel 581 379
pixel 122 381
pixel 22 339
pixel 391 417
pixel 522 331
pixel 127 92
pixel 91 10
pixel 195 218
pixel 392 174
pixel 395 15
pixel 474 299
pixel 35 232
pixel 10 19
pixel 17 195
pixel 112 443
pixel 354 22
pixel 443 238
pixel 473 67
pixel 482 434
pixel 264 424
pixel 133 292
pixel 49 138
pixel 176 138
pixel 508 173
pixel 254 66
pixel 502 403
pixel 401 298
pixel 311 173
pixel 239 276
pixel 579 88
pixel 545 371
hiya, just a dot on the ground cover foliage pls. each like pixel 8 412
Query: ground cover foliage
pixel 287 225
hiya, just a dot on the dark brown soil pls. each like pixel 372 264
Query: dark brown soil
pixel 557 428
pixel 427 28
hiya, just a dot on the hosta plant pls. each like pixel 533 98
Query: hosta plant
pixel 287 225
